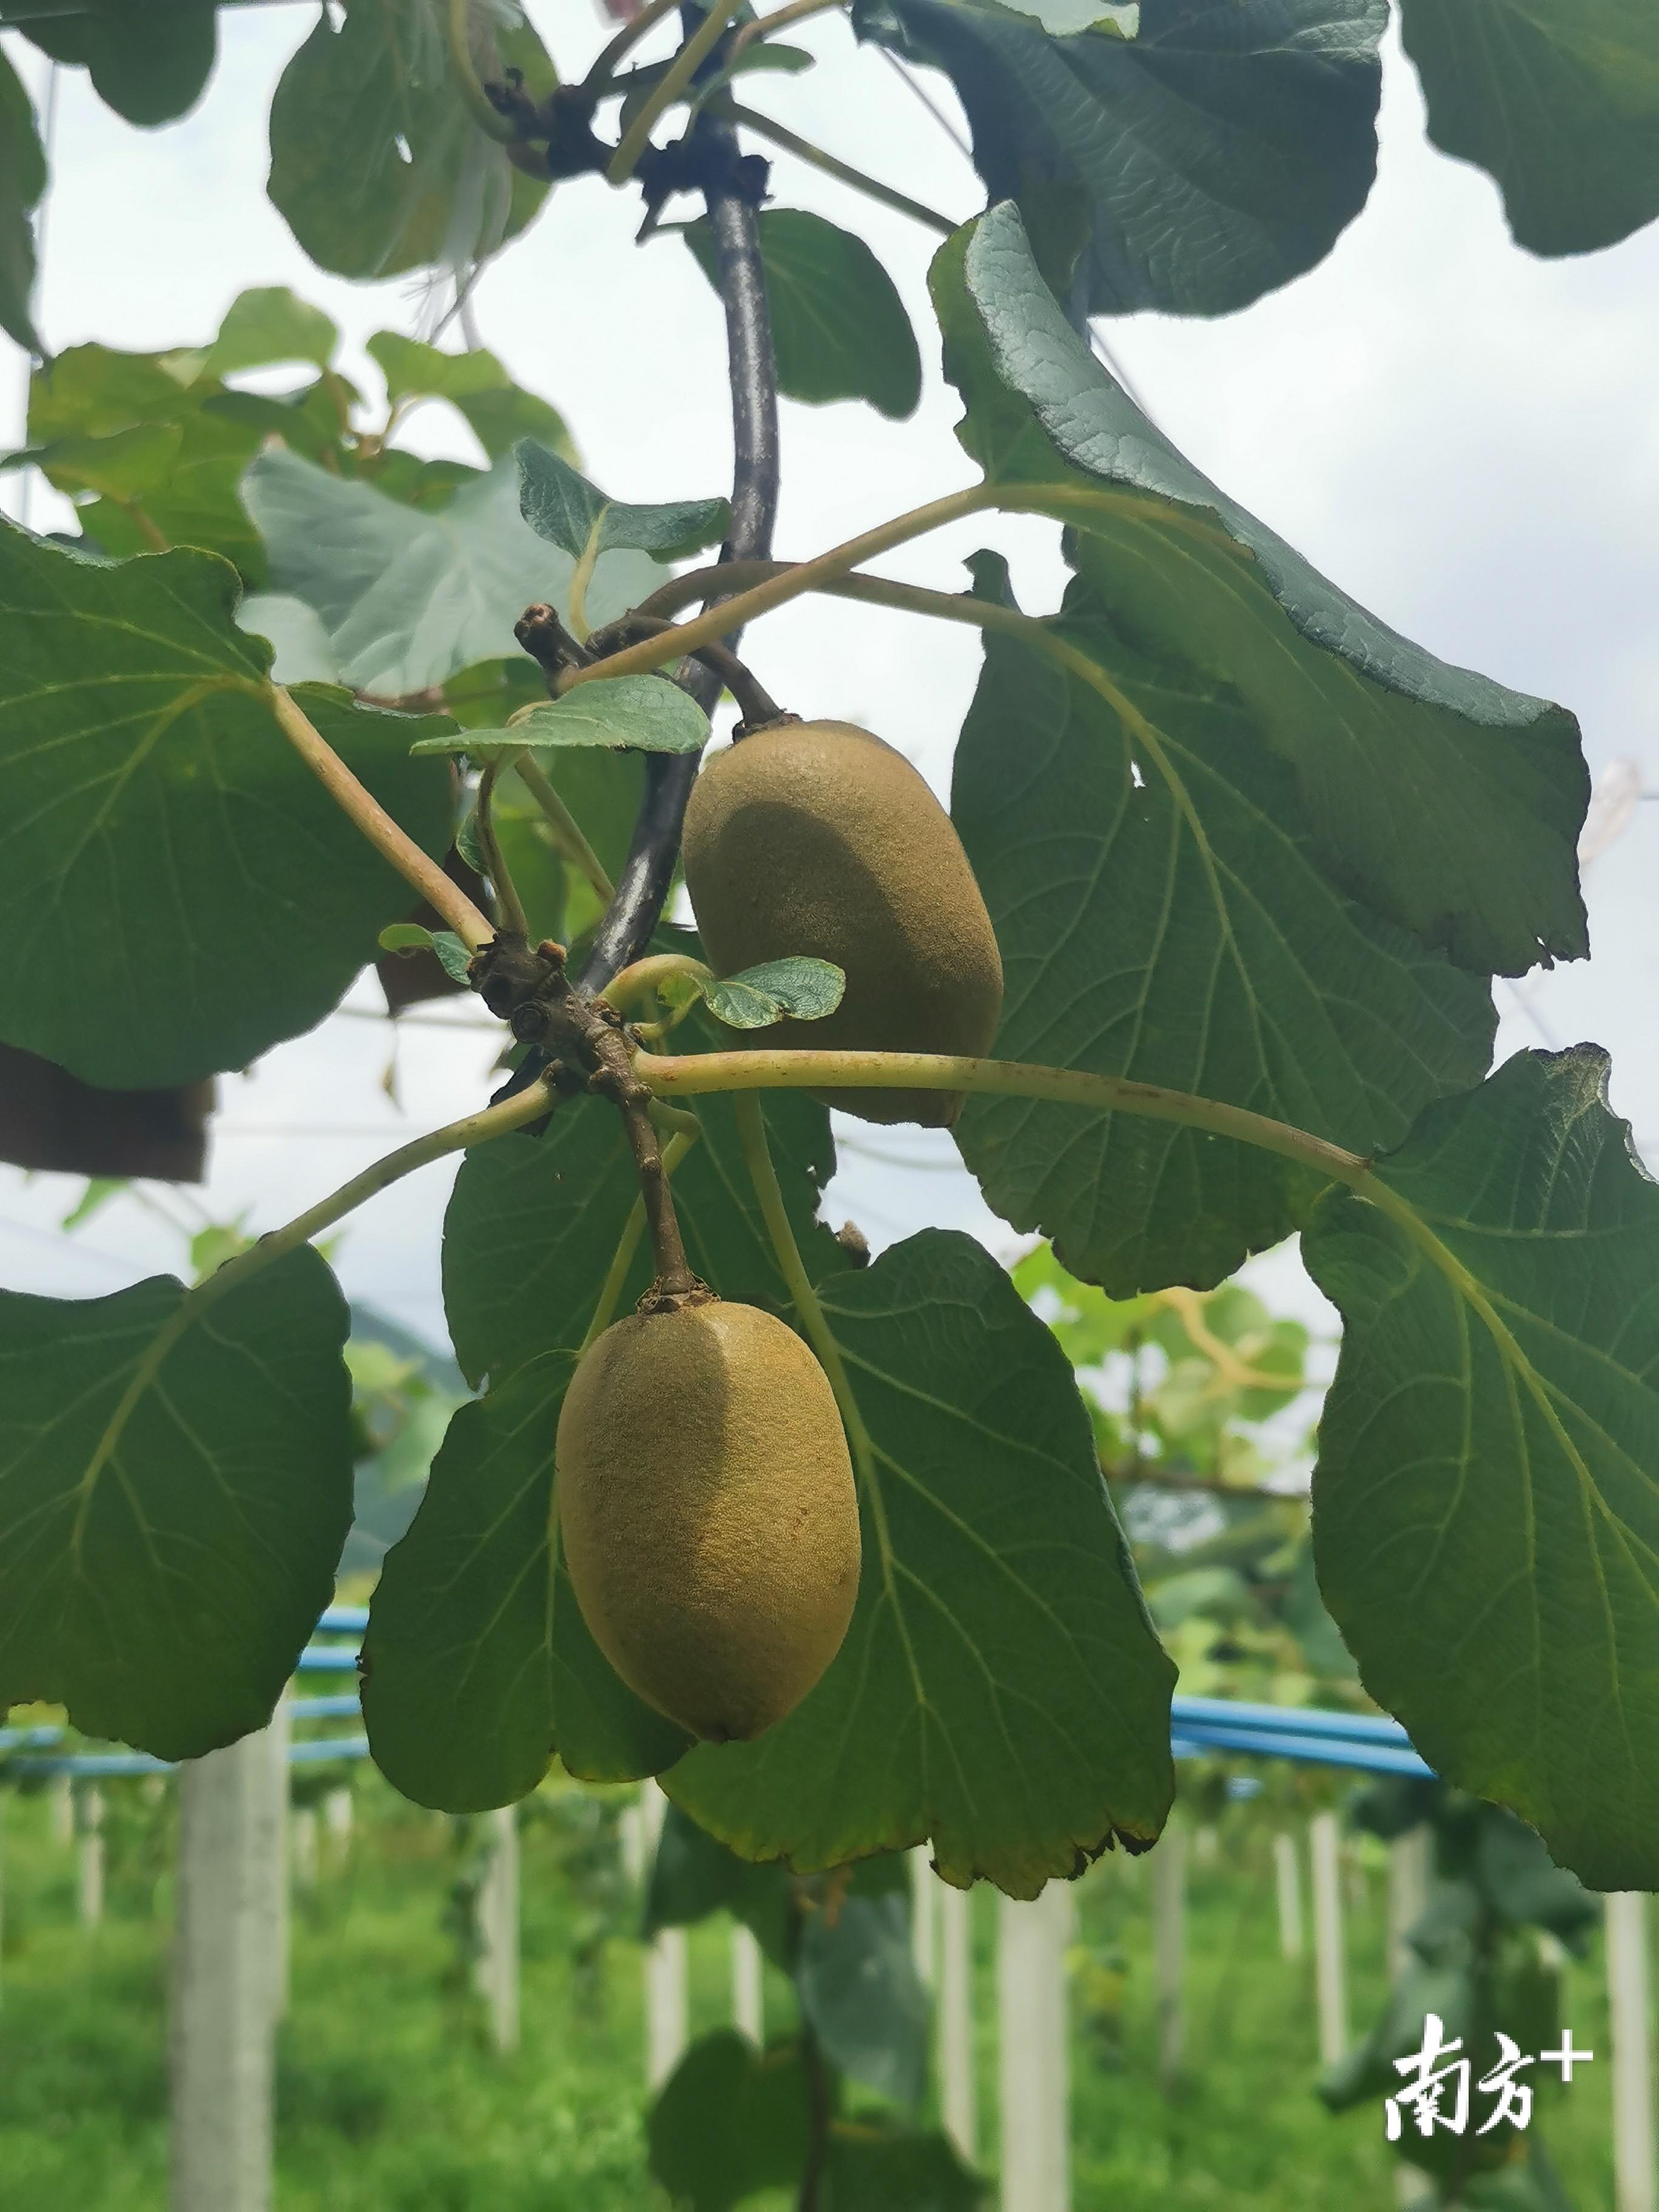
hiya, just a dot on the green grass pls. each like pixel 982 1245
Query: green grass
pixel 391 2099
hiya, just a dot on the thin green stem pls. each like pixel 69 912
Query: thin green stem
pixel 779 588
pixel 627 1244
pixel 490 1121
pixel 684 67
pixel 580 577
pixel 509 905
pixel 805 150
pixel 605 66
pixel 694 1075
pixel 757 1158
pixel 416 868
pixel 780 19
pixel 634 983
pixel 479 105
pixel 567 830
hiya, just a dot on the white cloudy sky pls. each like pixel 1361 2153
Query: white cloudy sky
pixel 1462 436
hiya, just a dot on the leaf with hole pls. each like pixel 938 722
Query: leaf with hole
pixel 839 328
pixel 175 1486
pixel 1440 798
pixel 154 822
pixel 1486 1510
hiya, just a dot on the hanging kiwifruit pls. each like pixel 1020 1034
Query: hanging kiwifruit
pixel 816 838
pixel 707 1512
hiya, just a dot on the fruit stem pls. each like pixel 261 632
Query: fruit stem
pixel 692 1074
pixel 757 1158
pixel 604 1312
pixel 392 842
pixel 508 904
pixel 616 1080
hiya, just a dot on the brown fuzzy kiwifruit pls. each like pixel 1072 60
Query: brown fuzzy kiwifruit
pixel 816 838
pixel 707 1512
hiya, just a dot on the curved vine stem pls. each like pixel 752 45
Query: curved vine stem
pixel 509 905
pixel 843 172
pixel 785 583
pixel 693 1074
pixel 766 26
pixel 567 830
pixel 423 873
pixel 479 105
pixel 605 65
pixel 636 982
pixel 757 1158
pixel 674 80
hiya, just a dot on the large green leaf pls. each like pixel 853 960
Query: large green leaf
pixel 174 1492
pixel 22 181
pixel 1486 1501
pixel 158 442
pixel 612 713
pixel 148 59
pixel 409 597
pixel 475 384
pixel 178 892
pixel 267 325
pixel 1444 801
pixel 1001 1690
pixel 1221 152
pixel 1560 103
pixel 1162 917
pixel 375 161
pixel 839 328
pixel 480 1666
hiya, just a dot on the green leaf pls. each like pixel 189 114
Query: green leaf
pixel 376 163
pixel 1485 1516
pixel 1001 1690
pixel 839 327
pixel 410 937
pixel 1442 800
pixel 161 442
pixel 476 384
pixel 1161 915
pixel 859 1987
pixel 1560 105
pixel 693 1876
pixel 620 713
pixel 562 507
pixel 480 1665
pixel 175 1486
pixel 1223 150
pixel 731 2121
pixel 177 889
pixel 268 325
pixel 805 990
pixel 409 599
pixel 22 181
pixel 148 59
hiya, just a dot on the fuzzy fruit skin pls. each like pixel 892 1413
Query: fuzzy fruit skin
pixel 708 1514
pixel 816 838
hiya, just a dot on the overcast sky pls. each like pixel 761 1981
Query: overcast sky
pixel 1464 437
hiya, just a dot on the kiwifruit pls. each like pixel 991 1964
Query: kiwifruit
pixel 816 838
pixel 707 1512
